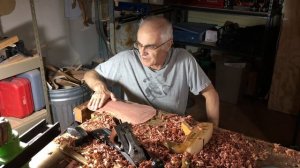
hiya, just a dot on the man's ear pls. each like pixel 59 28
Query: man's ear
pixel 170 43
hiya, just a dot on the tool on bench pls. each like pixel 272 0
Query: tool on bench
pixel 16 151
pixel 121 138
pixel 126 143
pixel 81 135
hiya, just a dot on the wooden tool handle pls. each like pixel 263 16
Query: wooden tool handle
pixel 5 131
pixel 73 154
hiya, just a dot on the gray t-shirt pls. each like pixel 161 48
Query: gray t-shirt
pixel 166 89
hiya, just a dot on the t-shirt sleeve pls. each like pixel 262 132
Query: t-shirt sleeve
pixel 197 79
pixel 111 68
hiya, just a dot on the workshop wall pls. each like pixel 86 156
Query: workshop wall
pixel 65 41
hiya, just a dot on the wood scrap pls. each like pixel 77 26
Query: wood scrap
pixel 64 83
pixel 59 72
pixel 82 113
pixel 65 77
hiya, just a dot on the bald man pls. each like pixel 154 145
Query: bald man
pixel 154 73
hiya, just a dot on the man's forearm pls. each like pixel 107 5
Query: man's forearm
pixel 212 109
pixel 93 80
pixel 212 104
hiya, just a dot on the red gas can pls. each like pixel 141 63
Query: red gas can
pixel 198 3
pixel 15 97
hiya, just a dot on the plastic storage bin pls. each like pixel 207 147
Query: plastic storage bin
pixel 228 80
pixel 35 79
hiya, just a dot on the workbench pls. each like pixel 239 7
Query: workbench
pixel 257 152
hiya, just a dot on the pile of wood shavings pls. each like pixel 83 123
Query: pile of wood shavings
pixel 225 149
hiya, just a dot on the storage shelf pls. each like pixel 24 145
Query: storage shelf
pixel 223 10
pixel 18 64
pixel 23 124
pixel 213 46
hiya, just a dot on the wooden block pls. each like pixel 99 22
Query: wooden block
pixel 82 113
pixel 9 41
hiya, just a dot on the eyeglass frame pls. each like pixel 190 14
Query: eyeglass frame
pixel 151 47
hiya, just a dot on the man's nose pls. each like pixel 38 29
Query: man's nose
pixel 143 50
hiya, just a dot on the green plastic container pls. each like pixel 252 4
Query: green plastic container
pixel 11 148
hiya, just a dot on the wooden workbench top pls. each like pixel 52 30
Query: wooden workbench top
pixel 225 149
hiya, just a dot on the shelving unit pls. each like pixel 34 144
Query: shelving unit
pixel 273 7
pixel 16 65
pixel 271 10
pixel 19 64
pixel 261 56
pixel 181 11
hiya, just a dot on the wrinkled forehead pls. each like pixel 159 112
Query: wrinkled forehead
pixel 148 35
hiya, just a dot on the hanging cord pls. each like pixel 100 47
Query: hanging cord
pixel 104 50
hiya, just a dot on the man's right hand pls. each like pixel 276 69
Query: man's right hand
pixel 99 98
pixel 101 93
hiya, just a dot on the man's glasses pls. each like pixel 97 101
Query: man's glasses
pixel 139 46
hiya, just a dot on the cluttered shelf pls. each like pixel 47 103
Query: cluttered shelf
pixel 19 64
pixel 221 10
pixel 214 46
pixel 230 37
pixel 259 8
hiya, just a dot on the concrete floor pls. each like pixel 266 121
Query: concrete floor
pixel 252 118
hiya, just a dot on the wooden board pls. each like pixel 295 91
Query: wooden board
pixel 285 90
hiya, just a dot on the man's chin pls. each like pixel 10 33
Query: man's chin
pixel 146 64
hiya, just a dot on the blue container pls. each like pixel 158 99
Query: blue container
pixel 35 79
pixel 190 32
